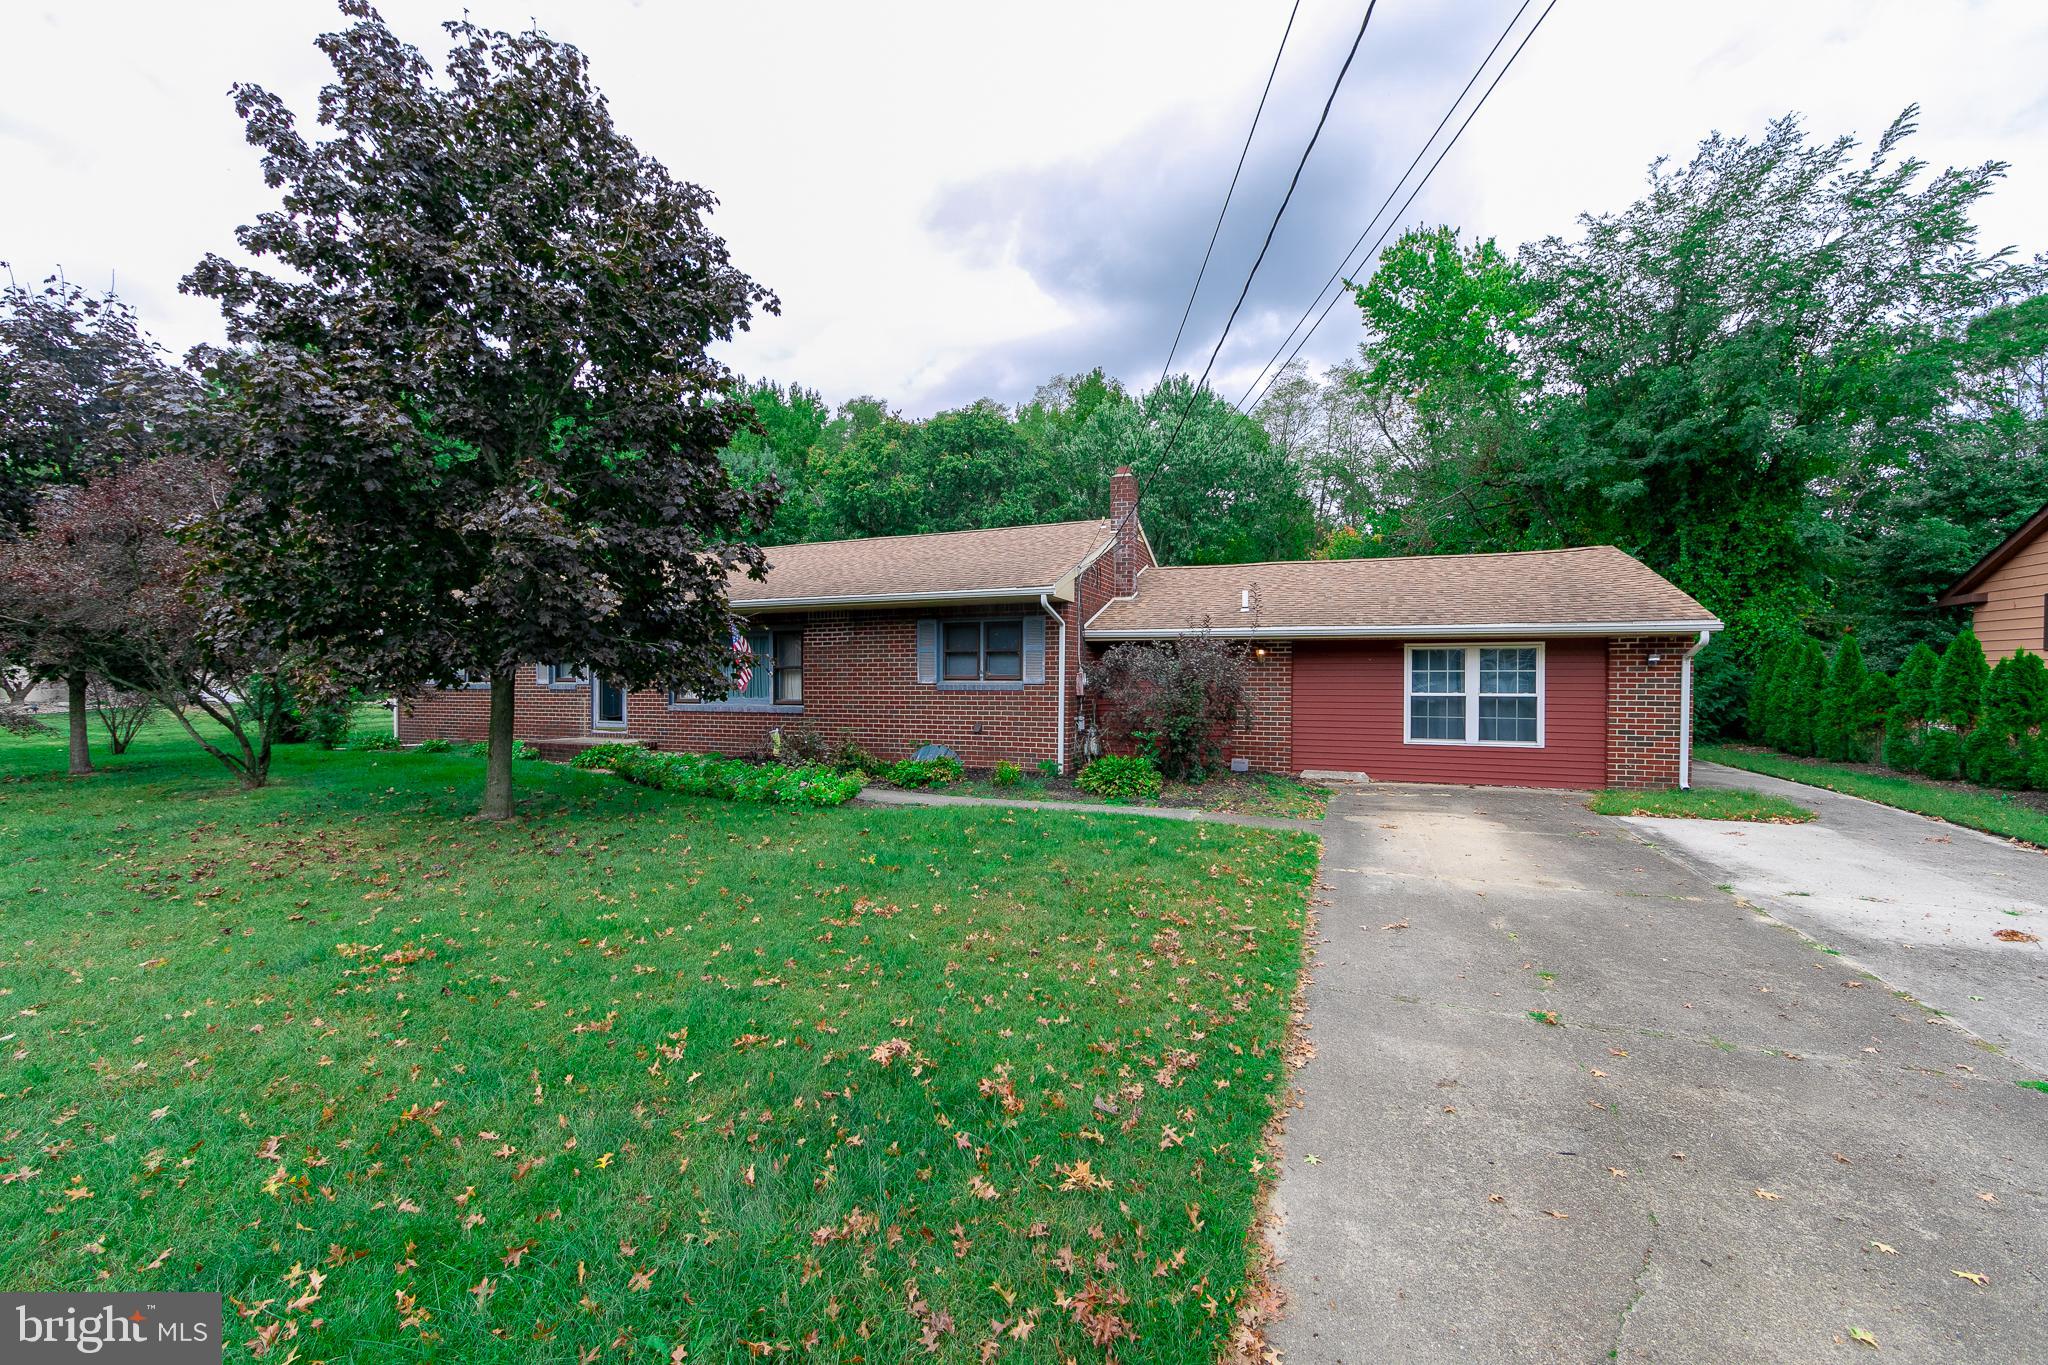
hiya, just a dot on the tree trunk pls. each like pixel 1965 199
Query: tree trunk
pixel 81 738
pixel 498 767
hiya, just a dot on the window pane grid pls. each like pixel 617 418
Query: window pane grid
pixel 1447 704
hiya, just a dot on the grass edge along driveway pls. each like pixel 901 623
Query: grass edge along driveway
pixel 1970 807
pixel 636 1076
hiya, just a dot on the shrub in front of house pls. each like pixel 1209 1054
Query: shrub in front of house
pixel 728 779
pixel 1121 777
pixel 1006 774
pixel 436 745
pixel 1175 700
pixel 375 744
pixel 925 772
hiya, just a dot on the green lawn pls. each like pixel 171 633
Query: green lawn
pixel 1269 794
pixel 636 1071
pixel 1975 808
pixel 1701 803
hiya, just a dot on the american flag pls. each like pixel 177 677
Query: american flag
pixel 742 662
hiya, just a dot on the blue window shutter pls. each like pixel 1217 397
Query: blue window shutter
pixel 1034 649
pixel 927 650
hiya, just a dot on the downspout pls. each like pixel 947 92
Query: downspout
pixel 1060 737
pixel 1685 711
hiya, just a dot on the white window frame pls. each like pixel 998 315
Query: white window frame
pixel 1471 649
pixel 770 662
pixel 562 678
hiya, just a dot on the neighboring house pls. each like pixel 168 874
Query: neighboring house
pixel 1564 668
pixel 2007 591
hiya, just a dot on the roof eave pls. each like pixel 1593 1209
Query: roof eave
pixel 1540 629
pixel 1964 593
pixel 1061 591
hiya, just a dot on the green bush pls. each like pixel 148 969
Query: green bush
pixel 728 779
pixel 433 746
pixel 1048 768
pixel 1959 686
pixel 378 744
pixel 1007 774
pixel 522 751
pixel 1912 707
pixel 849 757
pixel 1121 777
pixel 1941 753
pixel 1839 728
pixel 2000 751
pixel 925 772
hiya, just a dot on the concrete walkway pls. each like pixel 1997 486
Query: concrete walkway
pixel 886 797
pixel 1570 1102
pixel 1912 900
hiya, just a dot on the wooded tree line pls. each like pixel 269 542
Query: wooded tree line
pixel 1788 377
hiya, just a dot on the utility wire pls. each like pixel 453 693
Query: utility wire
pixel 1393 190
pixel 1335 86
pixel 1242 404
pixel 1227 194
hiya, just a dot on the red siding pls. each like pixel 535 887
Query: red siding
pixel 1348 698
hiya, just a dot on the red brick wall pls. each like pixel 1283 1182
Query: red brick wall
pixel 1643 716
pixel 860 683
pixel 465 713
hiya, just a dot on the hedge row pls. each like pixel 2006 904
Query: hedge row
pixel 729 779
pixel 1945 715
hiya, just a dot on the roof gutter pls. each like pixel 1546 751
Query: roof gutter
pixel 1059 688
pixel 1685 711
pixel 742 606
pixel 1540 628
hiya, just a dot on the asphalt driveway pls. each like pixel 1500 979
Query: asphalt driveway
pixel 1570 1101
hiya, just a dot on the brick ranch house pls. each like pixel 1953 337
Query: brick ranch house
pixel 1558 668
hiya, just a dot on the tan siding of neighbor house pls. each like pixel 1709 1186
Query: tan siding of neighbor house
pixel 2015 613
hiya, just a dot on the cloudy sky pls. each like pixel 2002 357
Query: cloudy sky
pixel 957 200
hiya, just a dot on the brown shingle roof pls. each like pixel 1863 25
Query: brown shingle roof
pixel 1535 590
pixel 946 564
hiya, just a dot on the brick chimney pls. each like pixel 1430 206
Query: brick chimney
pixel 1129 553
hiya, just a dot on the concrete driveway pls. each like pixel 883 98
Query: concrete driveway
pixel 1728 1145
pixel 1912 900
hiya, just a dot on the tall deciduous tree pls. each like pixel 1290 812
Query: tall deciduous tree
pixel 476 420
pixel 82 390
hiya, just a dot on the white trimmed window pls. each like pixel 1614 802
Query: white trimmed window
pixel 1474 694
pixel 775 675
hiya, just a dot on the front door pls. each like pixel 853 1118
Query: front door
pixel 607 706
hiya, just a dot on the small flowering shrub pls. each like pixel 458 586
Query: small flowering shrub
pixel 1007 774
pixel 1121 777
pixel 728 779
pixel 925 772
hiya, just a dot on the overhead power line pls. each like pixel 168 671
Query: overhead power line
pixel 1274 227
pixel 1246 403
pixel 1227 194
